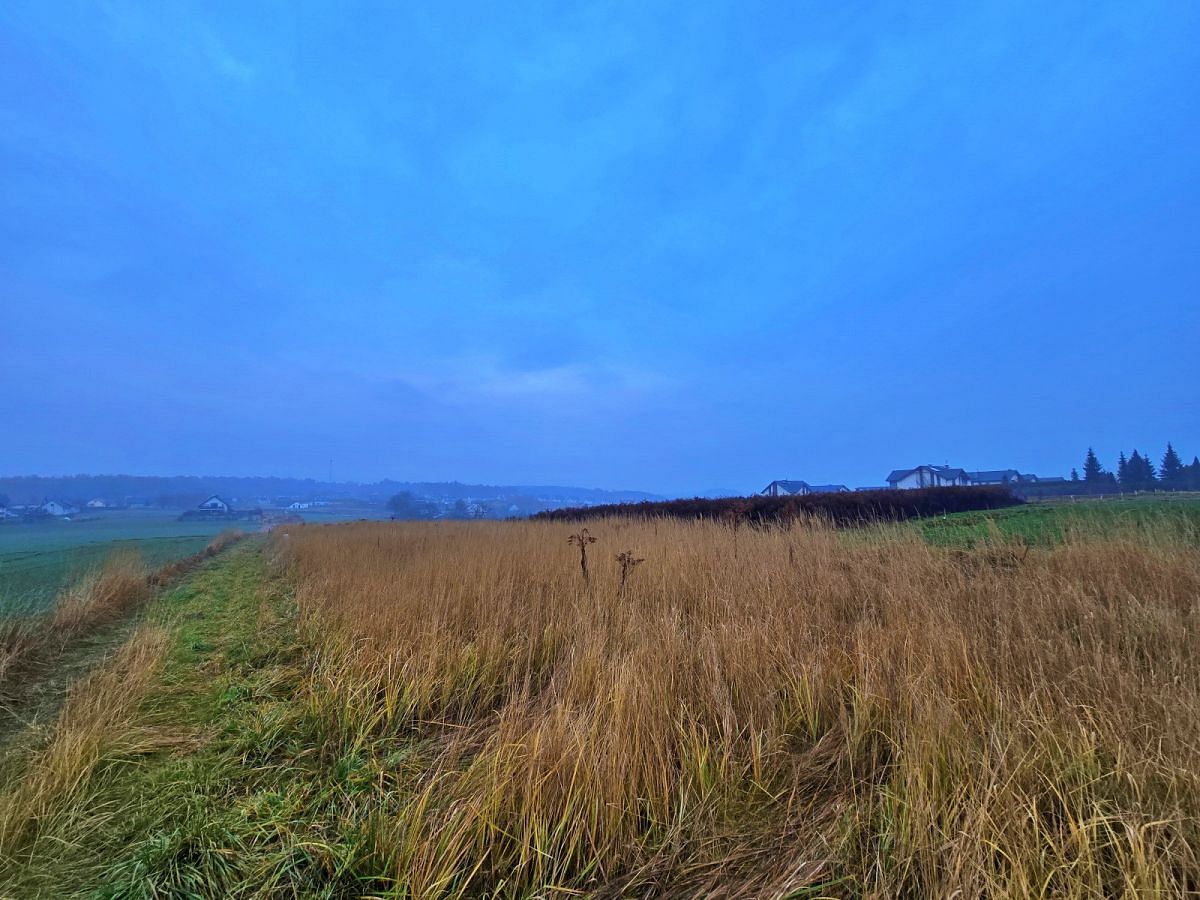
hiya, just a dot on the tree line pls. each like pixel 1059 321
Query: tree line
pixel 1137 472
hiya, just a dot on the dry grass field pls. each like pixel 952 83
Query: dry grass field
pixel 776 713
pixel 429 710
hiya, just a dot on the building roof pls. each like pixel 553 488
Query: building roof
pixel 943 471
pixel 827 488
pixel 951 471
pixel 994 474
pixel 218 498
pixel 790 486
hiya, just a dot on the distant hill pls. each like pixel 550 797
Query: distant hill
pixel 182 491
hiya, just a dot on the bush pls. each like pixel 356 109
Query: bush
pixel 857 508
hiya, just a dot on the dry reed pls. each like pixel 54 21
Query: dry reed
pixel 797 711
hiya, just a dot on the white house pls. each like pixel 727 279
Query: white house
pixel 927 476
pixel 97 503
pixel 57 508
pixel 215 504
pixel 784 488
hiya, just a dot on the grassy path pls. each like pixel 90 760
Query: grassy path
pixel 137 821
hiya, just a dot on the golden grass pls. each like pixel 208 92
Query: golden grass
pixel 869 717
pixel 96 722
pixel 103 595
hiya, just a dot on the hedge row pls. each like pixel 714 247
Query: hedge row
pixel 856 508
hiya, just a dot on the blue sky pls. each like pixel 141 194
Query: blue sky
pixel 669 247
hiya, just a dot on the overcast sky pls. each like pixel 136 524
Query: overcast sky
pixel 669 247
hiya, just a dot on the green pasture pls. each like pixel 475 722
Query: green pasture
pixel 1175 516
pixel 37 559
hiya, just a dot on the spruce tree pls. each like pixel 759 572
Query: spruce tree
pixel 1074 474
pixel 1122 468
pixel 1093 472
pixel 1134 471
pixel 1171 470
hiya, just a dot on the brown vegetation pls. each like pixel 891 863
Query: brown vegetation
pixel 96 721
pixel 853 508
pixel 857 714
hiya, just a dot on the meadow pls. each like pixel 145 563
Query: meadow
pixel 470 709
pixel 1051 522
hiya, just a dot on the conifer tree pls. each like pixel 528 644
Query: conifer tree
pixel 1122 468
pixel 1171 470
pixel 1074 474
pixel 1093 472
pixel 1134 473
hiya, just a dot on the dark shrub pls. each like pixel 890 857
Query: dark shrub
pixel 857 508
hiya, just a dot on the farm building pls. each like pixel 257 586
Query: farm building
pixel 58 508
pixel 927 476
pixel 785 488
pixel 97 503
pixel 215 504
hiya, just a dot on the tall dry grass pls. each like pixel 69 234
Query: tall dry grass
pixel 102 595
pixel 869 717
pixel 96 722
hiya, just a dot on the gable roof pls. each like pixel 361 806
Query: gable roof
pixel 941 471
pixel 790 486
pixel 950 471
pixel 221 500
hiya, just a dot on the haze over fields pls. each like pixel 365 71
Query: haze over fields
pixel 661 249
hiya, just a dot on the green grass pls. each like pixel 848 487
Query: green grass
pixel 1043 524
pixel 38 559
pixel 247 787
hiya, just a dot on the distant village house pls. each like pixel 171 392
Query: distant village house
pixel 927 476
pixel 58 508
pixel 217 507
pixel 949 476
pixel 784 488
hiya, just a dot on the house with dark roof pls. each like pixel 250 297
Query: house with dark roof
pixel 784 488
pixel 1010 477
pixel 998 476
pixel 215 504
pixel 927 476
